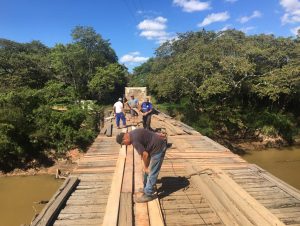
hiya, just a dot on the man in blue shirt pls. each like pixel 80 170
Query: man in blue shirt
pixel 146 109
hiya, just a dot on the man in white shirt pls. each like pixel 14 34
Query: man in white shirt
pixel 119 113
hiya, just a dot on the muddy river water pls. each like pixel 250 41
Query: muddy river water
pixel 283 163
pixel 19 196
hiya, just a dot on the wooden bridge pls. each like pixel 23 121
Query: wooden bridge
pixel 200 183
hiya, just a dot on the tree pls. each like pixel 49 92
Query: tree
pixel 23 64
pixel 108 83
pixel 76 63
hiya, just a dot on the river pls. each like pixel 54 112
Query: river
pixel 284 163
pixel 18 195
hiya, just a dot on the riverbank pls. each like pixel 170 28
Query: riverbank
pixel 241 146
pixel 65 164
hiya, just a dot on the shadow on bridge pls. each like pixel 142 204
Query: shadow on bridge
pixel 170 185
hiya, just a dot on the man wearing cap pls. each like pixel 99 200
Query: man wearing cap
pixel 119 113
pixel 146 109
pixel 152 148
pixel 133 104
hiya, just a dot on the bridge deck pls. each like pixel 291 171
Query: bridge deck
pixel 200 183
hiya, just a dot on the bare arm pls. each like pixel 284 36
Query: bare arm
pixel 146 161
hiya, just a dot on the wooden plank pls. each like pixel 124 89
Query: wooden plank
pixel 125 214
pixel 51 210
pixel 228 218
pixel 155 214
pixel 284 186
pixel 251 208
pixel 141 209
pixel 112 207
pixel 126 208
pixel 80 222
pixel 127 185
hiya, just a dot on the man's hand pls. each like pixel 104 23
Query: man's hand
pixel 162 135
pixel 146 170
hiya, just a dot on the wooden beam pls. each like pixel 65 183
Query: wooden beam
pixel 141 209
pixel 125 213
pixel 216 200
pixel 126 208
pixel 155 213
pixel 53 207
pixel 250 207
pixel 281 184
pixel 112 207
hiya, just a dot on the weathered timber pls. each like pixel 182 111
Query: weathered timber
pixel 126 204
pixel 141 209
pixel 51 210
pixel 112 207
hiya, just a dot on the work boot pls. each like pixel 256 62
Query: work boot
pixel 145 198
pixel 142 189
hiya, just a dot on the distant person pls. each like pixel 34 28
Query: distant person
pixel 119 113
pixel 152 148
pixel 133 105
pixel 146 109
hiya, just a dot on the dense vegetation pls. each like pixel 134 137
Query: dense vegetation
pixel 42 93
pixel 227 84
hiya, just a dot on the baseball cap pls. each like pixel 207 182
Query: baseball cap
pixel 119 138
pixel 120 99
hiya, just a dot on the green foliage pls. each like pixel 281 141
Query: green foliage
pixel 44 92
pixel 108 82
pixel 61 130
pixel 279 83
pixel 76 64
pixel 276 123
pixel 214 86
pixel 57 93
pixel 23 65
pixel 226 80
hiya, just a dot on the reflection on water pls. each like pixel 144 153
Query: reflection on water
pixel 283 163
pixel 19 194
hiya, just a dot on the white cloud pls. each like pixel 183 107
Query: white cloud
pixel 153 34
pixel 132 58
pixel 255 14
pixel 154 29
pixel 295 30
pixel 214 17
pixel 231 1
pixel 292 11
pixel 159 23
pixel 192 5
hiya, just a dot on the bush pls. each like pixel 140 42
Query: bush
pixel 62 130
pixel 31 123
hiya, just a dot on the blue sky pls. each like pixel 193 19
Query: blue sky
pixel 135 28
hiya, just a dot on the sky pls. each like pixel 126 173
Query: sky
pixel 136 28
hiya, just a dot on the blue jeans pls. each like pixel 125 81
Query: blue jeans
pixel 120 116
pixel 156 161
